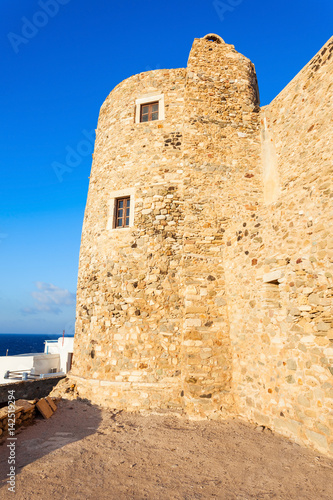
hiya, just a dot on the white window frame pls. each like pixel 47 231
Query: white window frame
pixel 115 195
pixel 147 99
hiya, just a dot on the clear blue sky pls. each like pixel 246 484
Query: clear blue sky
pixel 54 79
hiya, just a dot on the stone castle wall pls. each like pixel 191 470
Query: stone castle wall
pixel 152 326
pixel 217 299
pixel 279 271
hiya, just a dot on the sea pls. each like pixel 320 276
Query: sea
pixel 25 343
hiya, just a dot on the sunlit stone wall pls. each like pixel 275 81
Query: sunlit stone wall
pixel 217 299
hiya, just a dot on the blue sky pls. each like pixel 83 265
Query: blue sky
pixel 60 59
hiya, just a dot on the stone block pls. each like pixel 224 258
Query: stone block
pixel 323 327
pixel 272 276
pixel 260 418
pixel 291 364
pixel 44 408
pixel 25 405
pixel 317 440
pixel 51 403
pixel 288 427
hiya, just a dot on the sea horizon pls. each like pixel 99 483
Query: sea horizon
pixel 25 343
pixel 25 333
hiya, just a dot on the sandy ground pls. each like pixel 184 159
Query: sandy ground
pixel 84 452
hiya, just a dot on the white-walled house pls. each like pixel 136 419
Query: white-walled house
pixel 55 360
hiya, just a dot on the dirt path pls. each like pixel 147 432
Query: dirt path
pixel 84 452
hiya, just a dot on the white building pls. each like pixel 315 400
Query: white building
pixel 55 360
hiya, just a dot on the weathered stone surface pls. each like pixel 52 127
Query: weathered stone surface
pixel 51 403
pixel 291 364
pixel 293 228
pixel 218 298
pixel 44 408
pixel 24 414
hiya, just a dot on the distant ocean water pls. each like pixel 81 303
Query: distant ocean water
pixel 21 343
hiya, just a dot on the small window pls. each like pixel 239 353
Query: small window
pixel 149 108
pixel 121 209
pixel 149 112
pixel 122 212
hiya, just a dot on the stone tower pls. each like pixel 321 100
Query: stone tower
pixel 152 326
pixel 206 266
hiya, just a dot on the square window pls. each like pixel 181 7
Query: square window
pixel 149 108
pixel 149 112
pixel 122 212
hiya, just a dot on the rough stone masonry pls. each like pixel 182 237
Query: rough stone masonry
pixel 216 299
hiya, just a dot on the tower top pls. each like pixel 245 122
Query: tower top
pixel 214 38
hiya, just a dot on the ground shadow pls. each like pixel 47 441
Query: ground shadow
pixel 109 453
pixel 45 436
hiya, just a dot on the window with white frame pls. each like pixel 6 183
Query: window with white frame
pixel 149 107
pixel 121 209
